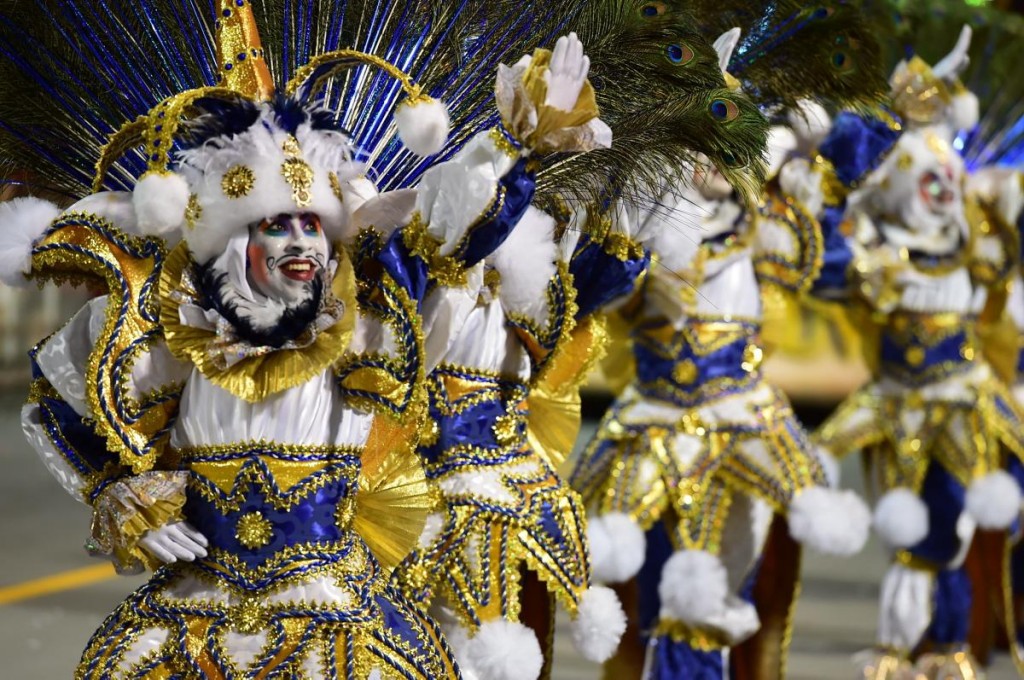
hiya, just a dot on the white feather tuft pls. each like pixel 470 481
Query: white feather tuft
pixel 22 222
pixel 617 547
pixel 160 201
pixel 500 650
pixel 994 500
pixel 694 587
pixel 423 125
pixel 526 263
pixel 901 518
pixel 599 624
pixel 830 521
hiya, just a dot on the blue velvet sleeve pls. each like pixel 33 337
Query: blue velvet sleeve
pixel 514 194
pixel 600 277
pixel 73 438
pixel 832 281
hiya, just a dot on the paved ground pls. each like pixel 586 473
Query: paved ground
pixel 43 529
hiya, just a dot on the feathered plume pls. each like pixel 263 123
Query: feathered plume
pixel 790 51
pixel 661 90
pixel 930 28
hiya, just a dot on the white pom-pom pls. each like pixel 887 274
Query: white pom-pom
pixel 500 650
pixel 693 588
pixel 599 624
pixel 160 201
pixel 994 500
pixel 22 222
pixel 901 518
pixel 617 547
pixel 964 111
pixel 423 125
pixel 830 521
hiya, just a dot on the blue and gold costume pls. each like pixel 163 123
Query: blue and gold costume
pixel 936 425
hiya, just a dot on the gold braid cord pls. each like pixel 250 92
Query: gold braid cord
pixel 79 248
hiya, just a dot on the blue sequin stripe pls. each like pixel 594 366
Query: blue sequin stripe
pixel 561 557
pixel 456 462
pixel 105 633
pixel 312 561
pixel 455 567
pixel 385 655
pixel 56 436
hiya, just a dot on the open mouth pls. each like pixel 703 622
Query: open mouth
pixel 299 269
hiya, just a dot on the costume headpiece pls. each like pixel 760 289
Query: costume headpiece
pixel 921 95
pixel 249 152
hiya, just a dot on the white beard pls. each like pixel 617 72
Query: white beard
pixel 261 312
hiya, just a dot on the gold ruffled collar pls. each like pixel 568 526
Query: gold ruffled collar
pixel 250 372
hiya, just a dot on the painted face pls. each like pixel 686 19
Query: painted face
pixel 921 199
pixel 286 254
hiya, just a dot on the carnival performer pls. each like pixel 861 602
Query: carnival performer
pixel 508 539
pixel 935 423
pixel 241 412
pixel 698 453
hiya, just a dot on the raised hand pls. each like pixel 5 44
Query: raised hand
pixel 567 73
pixel 954 63
pixel 173 542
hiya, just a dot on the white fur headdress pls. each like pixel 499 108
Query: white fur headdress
pixel 273 154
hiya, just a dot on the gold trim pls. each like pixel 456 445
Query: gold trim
pixel 257 377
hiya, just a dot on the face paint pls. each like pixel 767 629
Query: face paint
pixel 921 201
pixel 286 254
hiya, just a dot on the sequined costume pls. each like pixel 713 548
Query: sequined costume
pixel 698 454
pixel 936 425
pixel 189 395
pixel 505 513
pixel 699 451
pixel 288 584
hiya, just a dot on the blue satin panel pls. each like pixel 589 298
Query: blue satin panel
pixel 894 353
pixel 549 523
pixel 722 363
pixel 678 661
pixel 837 256
pixel 310 520
pixel 1020 358
pixel 952 607
pixel 88 452
pixel 600 278
pixel 944 497
pixel 856 145
pixel 408 271
pixel 659 549
pixel 518 186
pixel 472 427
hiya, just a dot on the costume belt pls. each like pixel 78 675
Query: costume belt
pixel 915 359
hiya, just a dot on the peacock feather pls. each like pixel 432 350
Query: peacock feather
pixel 75 73
pixel 662 91
pixel 790 51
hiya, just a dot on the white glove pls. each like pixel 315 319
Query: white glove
pixel 905 610
pixel 954 63
pixel 173 542
pixel 567 73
